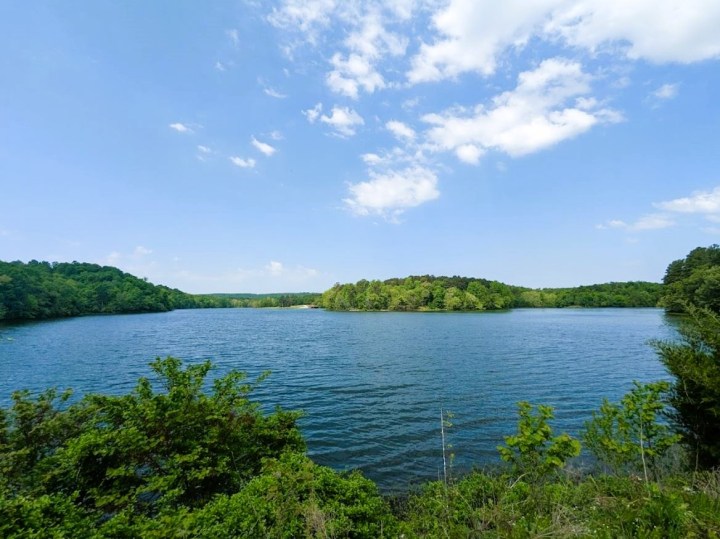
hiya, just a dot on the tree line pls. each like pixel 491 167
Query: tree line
pixel 693 291
pixel 40 290
pixel 269 300
pixel 430 293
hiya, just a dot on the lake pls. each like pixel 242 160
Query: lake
pixel 371 384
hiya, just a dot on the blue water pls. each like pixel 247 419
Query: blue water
pixel 371 384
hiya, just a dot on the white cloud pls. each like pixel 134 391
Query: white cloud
pixel 313 113
pixel 203 152
pixel 353 73
pixel 400 130
pixel 654 221
pixel 389 194
pixel 242 163
pixel 263 147
pixel 273 276
pixel 656 30
pixel 220 66
pixel 371 159
pixel 180 128
pixel 703 202
pixel 410 104
pixel 343 120
pixel 617 223
pixel 545 108
pixel 297 273
pixel 276 135
pixel 469 153
pixel 274 93
pixel 128 262
pixel 234 37
pixel 471 35
pixel 410 156
pixel 666 91
pixel 478 35
pixel 306 15
pixel 367 43
pixel 274 268
pixel 112 259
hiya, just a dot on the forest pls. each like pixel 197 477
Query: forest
pixel 430 293
pixel 40 290
pixel 183 456
pixel 259 301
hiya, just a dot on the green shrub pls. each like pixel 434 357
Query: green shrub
pixel 534 451
pixel 631 436
pixel 145 451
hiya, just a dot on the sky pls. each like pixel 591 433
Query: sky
pixel 249 146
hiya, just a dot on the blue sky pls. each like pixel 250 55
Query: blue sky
pixel 283 146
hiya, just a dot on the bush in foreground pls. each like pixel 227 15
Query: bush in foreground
pixel 171 459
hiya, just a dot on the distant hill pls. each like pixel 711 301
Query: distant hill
pixel 37 290
pixel 277 299
pixel 430 293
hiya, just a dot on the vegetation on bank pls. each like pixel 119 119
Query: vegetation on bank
pixel 430 293
pixel 693 280
pixel 181 456
pixel 693 288
pixel 173 460
pixel 269 300
pixel 39 290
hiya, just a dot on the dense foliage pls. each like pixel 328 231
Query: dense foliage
pixel 692 288
pixel 170 457
pixel 186 456
pixel 693 280
pixel 694 361
pixel 534 451
pixel 183 456
pixel 39 290
pixel 631 437
pixel 270 300
pixel 430 293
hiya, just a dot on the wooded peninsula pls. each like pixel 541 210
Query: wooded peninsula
pixel 40 290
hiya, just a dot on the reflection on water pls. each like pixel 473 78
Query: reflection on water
pixel 371 384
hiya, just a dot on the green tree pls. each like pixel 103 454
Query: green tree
pixel 631 435
pixel 146 451
pixel 694 280
pixel 534 451
pixel 294 497
pixel 694 361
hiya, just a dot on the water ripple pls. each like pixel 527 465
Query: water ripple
pixel 371 384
